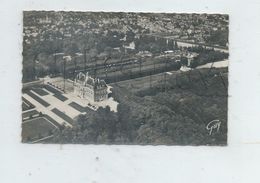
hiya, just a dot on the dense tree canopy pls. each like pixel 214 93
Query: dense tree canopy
pixel 152 116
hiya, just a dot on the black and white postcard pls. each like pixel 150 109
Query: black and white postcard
pixel 125 78
pixel 130 91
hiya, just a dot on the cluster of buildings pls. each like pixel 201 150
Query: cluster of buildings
pixel 59 25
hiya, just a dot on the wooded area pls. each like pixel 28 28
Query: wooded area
pixel 176 116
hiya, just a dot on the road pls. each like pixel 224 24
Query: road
pixel 185 43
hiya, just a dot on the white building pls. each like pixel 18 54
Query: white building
pixel 89 88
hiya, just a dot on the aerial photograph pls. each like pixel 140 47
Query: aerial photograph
pixel 124 78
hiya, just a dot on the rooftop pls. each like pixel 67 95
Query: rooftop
pixel 86 79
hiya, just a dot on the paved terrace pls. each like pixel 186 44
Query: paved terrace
pixel 59 106
pixel 46 110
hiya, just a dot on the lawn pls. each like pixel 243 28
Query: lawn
pixel 52 90
pixel 156 80
pixel 62 115
pixel 56 92
pixel 60 97
pixel 38 99
pixel 53 121
pixel 29 114
pixel 82 109
pixel 77 107
pixel 26 105
pixel 36 128
pixel 40 92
